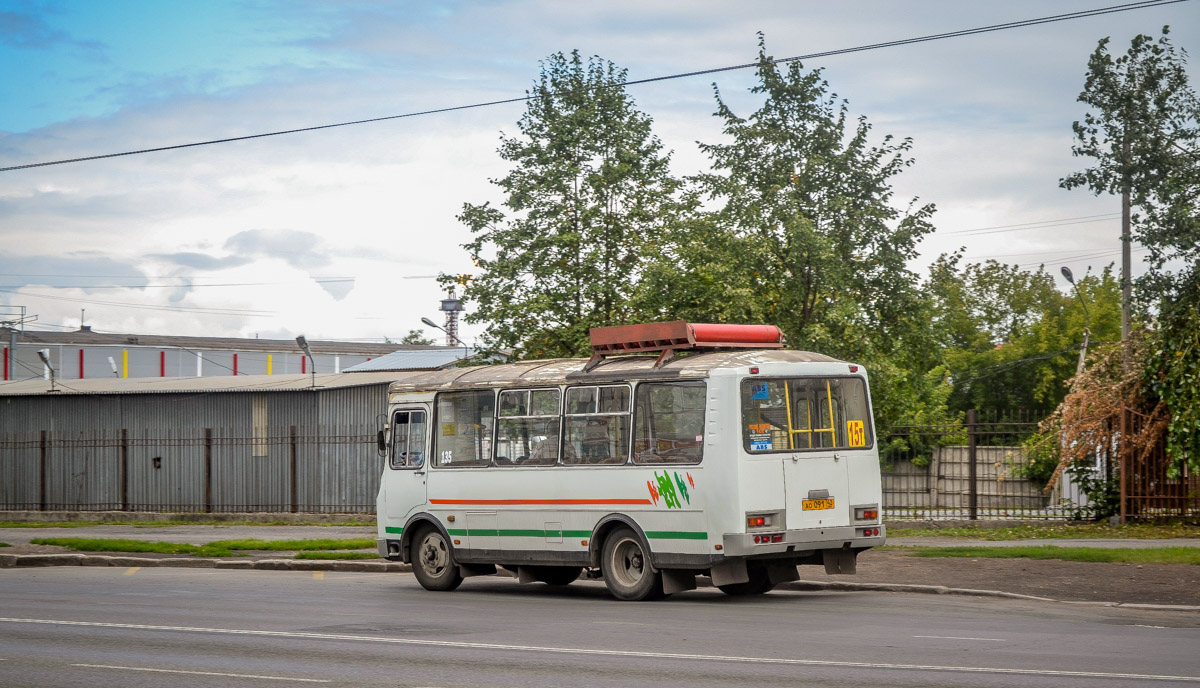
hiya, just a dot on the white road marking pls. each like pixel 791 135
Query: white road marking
pixel 202 673
pixel 605 653
pixel 955 637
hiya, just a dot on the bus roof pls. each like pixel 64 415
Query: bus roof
pixel 559 371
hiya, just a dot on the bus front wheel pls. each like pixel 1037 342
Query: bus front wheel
pixel 625 563
pixel 433 561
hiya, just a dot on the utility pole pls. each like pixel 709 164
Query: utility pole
pixel 1126 287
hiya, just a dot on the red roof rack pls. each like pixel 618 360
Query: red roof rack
pixel 669 337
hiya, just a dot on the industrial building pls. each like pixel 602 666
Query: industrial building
pixel 86 354
pixel 253 443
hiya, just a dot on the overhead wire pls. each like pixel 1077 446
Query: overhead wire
pixel 1082 14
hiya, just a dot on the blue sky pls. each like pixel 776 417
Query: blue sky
pixel 323 230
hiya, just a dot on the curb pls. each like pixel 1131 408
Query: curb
pixel 40 560
pixel 43 560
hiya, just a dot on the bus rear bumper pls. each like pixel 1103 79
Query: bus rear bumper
pixel 801 541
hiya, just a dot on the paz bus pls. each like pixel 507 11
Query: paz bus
pixel 724 455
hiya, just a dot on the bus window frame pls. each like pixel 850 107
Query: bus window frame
pixel 391 456
pixel 629 386
pixel 436 462
pixel 634 402
pixel 870 416
pixel 500 391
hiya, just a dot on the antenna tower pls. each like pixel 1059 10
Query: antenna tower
pixel 451 306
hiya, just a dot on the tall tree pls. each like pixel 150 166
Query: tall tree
pixel 805 233
pixel 1141 132
pixel 589 187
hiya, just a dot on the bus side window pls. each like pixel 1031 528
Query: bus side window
pixel 669 423
pixel 463 428
pixel 597 425
pixel 528 430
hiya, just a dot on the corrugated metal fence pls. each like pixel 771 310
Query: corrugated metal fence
pixel 324 469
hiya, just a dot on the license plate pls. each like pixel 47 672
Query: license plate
pixel 816 504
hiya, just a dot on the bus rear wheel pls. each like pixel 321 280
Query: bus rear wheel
pixel 433 561
pixel 625 563
pixel 758 584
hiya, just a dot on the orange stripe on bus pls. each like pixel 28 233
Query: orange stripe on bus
pixel 538 501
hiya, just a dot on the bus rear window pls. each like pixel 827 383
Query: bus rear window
pixel 799 414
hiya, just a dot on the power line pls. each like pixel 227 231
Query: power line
pixel 165 286
pixel 1001 229
pixel 1083 14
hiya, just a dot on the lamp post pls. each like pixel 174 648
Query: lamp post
pixel 303 344
pixel 430 323
pixel 1087 319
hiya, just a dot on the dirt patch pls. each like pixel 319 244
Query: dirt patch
pixel 1059 580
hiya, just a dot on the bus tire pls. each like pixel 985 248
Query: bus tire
pixel 433 561
pixel 625 563
pixel 557 575
pixel 758 584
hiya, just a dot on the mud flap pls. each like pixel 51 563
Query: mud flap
pixel 730 572
pixel 675 581
pixel 839 561
pixel 781 572
pixel 468 570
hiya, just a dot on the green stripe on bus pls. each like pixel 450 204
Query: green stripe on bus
pixel 492 532
pixel 676 535
pixel 393 530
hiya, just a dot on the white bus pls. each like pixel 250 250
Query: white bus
pixel 738 460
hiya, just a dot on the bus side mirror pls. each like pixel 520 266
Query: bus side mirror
pixel 381 442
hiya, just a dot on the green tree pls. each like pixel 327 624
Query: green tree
pixel 1143 130
pixel 589 187
pixel 416 338
pixel 804 233
pixel 1009 338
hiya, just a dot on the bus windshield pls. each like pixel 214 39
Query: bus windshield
pixel 800 414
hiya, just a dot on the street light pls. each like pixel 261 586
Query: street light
pixel 1087 319
pixel 430 323
pixel 303 344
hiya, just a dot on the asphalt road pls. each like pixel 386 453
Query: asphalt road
pixel 82 626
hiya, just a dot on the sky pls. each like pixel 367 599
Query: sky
pixel 339 233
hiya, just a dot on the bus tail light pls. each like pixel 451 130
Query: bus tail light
pixel 870 532
pixel 866 513
pixel 768 538
pixel 756 521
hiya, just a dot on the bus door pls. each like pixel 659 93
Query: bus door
pixel 816 468
pixel 800 420
pixel 407 461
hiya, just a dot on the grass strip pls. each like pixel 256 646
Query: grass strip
pixel 5 544
pixel 1029 531
pixel 171 523
pixel 337 555
pixel 1156 555
pixel 220 548
pixel 124 545
pixel 295 545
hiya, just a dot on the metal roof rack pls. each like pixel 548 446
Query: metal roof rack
pixel 669 337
